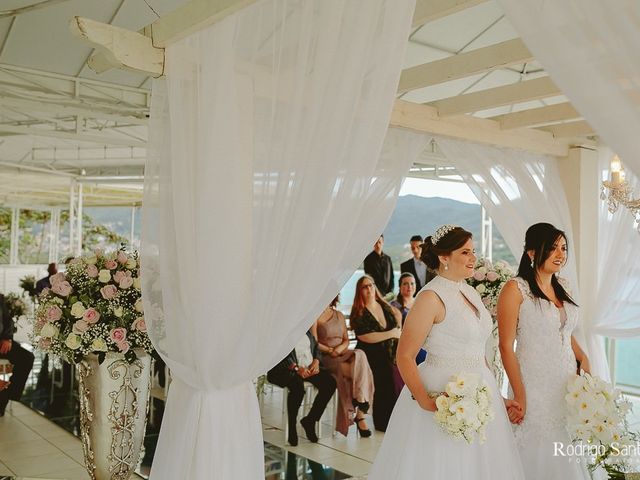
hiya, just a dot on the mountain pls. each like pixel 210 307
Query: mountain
pixel 416 215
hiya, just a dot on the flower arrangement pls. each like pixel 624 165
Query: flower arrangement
pixel 28 284
pixel 597 419
pixel 488 279
pixel 93 307
pixel 466 409
pixel 16 305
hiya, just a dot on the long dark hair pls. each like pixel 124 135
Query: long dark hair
pixel 400 298
pixel 452 240
pixel 541 238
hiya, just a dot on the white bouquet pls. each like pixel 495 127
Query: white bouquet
pixel 465 409
pixel 597 419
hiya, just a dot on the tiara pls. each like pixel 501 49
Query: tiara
pixel 441 232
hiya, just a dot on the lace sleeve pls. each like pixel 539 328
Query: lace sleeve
pixel 523 286
pixel 565 284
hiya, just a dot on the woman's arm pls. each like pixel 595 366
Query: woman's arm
pixel 377 337
pixel 344 346
pixel 581 357
pixel 508 311
pixel 427 309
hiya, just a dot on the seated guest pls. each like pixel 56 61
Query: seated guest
pixel 404 302
pixel 45 282
pixel 377 327
pixel 21 359
pixel 303 365
pixel 416 266
pixel 350 368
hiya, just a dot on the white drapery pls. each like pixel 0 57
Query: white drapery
pixel 267 183
pixel 590 49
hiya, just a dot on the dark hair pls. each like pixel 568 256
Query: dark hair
pixel 400 298
pixel 357 309
pixel 52 269
pixel 452 240
pixel 334 302
pixel 416 238
pixel 541 238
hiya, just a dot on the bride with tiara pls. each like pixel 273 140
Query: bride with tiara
pixel 450 321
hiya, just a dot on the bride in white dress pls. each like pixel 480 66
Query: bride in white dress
pixel 449 319
pixel 536 311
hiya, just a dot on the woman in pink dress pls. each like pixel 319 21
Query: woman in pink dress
pixel 349 367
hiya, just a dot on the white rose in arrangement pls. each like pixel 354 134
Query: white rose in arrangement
pixel 481 288
pixel 131 263
pixel 77 309
pixel 73 341
pixel 118 312
pixel 138 306
pixel 483 270
pixel 104 276
pixel 91 260
pixel 49 331
pixel 99 345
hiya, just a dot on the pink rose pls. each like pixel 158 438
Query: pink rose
pixel 122 257
pixel 118 335
pixel 92 271
pixel 118 276
pixel 75 261
pixel 124 346
pixel 486 301
pixel 109 291
pixel 54 313
pixel 126 282
pixel 91 315
pixel 80 327
pixel 479 276
pixel 139 324
pixel 492 276
pixel 44 343
pixel 110 264
pixel 98 252
pixel 57 278
pixel 62 288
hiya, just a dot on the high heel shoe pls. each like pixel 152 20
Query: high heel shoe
pixel 364 432
pixel 362 406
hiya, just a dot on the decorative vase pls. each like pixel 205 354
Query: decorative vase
pixel 114 398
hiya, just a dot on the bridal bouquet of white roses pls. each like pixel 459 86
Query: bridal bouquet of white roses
pixel 597 420
pixel 488 279
pixel 466 408
pixel 93 307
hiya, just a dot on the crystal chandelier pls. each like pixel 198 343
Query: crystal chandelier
pixel 620 192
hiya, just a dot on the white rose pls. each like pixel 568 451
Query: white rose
pixel 49 331
pixel 99 345
pixel 118 311
pixel 482 270
pixel 136 283
pixel 104 276
pixel 481 288
pixel 131 263
pixel 77 309
pixel 73 341
pixel 138 306
pixel 91 260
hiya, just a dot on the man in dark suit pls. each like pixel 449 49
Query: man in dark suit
pixel 303 365
pixel 21 359
pixel 45 282
pixel 378 265
pixel 415 266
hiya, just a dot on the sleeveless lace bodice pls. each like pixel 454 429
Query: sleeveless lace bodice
pixel 543 349
pixel 459 340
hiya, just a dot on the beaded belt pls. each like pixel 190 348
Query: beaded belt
pixel 442 361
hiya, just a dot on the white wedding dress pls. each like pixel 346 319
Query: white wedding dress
pixel 414 446
pixel 547 362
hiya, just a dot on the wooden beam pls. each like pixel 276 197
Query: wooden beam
pixel 83 137
pixel 424 118
pixel 429 10
pixel 570 129
pixel 118 47
pixel 497 97
pixel 465 64
pixel 537 116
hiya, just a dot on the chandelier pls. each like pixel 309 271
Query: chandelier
pixel 620 192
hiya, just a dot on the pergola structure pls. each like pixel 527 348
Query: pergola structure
pixel 71 134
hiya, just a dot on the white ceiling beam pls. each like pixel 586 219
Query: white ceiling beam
pixel 83 137
pixel 429 10
pixel 537 116
pixel 465 64
pixel 424 118
pixel 497 97
pixel 570 129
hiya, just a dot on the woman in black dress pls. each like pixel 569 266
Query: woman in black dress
pixel 376 325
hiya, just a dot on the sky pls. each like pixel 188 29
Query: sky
pixel 438 188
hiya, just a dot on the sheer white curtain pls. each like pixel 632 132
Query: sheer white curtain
pixel 618 296
pixel 266 184
pixel 590 49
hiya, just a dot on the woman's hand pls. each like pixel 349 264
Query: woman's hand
pixel 516 410
pixel 396 332
pixel 428 404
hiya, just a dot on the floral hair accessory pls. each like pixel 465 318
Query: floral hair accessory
pixel 441 232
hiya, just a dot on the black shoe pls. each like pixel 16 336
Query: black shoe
pixel 362 406
pixel 310 429
pixel 364 432
pixel 292 438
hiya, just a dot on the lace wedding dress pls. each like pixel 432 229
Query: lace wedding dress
pixel 414 445
pixel 547 361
